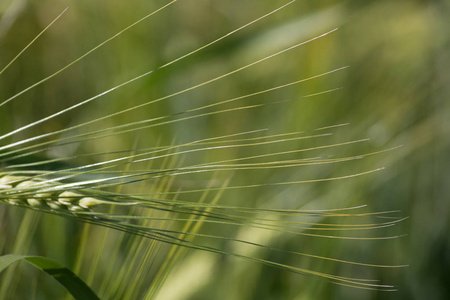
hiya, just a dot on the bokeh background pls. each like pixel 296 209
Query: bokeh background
pixel 395 92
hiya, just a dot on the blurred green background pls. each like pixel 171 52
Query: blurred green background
pixel 395 93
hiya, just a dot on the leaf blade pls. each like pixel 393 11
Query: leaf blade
pixel 69 280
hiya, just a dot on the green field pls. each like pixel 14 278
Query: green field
pixel 233 149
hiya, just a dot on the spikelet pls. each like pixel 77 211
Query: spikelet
pixel 38 194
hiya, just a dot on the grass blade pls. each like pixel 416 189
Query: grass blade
pixel 71 282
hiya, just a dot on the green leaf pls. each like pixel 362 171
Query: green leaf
pixel 73 284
